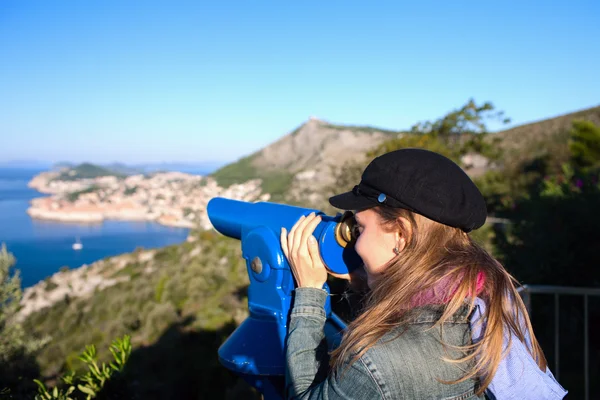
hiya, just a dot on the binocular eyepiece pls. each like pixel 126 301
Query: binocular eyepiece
pixel 346 231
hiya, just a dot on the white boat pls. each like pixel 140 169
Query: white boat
pixel 77 245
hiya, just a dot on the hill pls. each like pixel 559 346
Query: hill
pixel 546 138
pixel 177 303
pixel 87 171
pixel 305 160
pixel 298 166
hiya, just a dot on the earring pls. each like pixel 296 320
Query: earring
pixel 396 251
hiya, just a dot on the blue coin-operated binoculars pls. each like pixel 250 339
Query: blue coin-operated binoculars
pixel 256 349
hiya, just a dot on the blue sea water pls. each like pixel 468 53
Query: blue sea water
pixel 43 247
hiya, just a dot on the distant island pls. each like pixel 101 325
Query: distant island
pixel 90 193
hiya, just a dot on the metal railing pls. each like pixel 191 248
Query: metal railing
pixel 527 290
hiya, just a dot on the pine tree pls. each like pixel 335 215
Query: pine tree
pixel 12 337
pixel 585 144
pixel 17 364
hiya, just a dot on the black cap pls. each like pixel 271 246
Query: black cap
pixel 420 181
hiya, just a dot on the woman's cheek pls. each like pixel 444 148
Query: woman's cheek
pixel 360 250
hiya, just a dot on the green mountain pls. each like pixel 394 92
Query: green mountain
pixel 547 138
pixel 87 171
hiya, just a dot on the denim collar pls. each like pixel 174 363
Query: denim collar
pixel 431 313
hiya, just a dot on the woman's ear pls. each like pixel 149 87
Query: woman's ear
pixel 404 233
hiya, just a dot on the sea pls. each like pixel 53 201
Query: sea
pixel 41 248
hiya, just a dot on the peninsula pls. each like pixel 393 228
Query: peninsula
pixel 169 198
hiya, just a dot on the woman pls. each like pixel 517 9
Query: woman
pixel 414 336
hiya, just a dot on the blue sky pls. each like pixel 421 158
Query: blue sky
pixel 201 81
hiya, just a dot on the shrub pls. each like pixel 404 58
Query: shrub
pixel 90 384
pixel 50 284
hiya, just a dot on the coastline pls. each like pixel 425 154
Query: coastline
pixel 82 281
pixel 173 199
pixel 36 211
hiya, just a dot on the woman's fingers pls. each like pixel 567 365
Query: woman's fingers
pixel 296 246
pixel 313 251
pixel 304 232
pixel 292 234
pixel 284 242
pixel 302 251
pixel 309 228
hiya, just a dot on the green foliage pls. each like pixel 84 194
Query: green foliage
pixel 460 132
pixel 87 171
pixel 453 135
pixel 362 129
pixel 10 295
pixel 346 176
pixel 198 294
pixel 469 119
pixel 484 236
pixel 457 133
pixel 483 144
pixel 13 341
pixel 554 216
pixel 90 384
pixel 17 366
pixel 130 190
pixel 553 233
pixel 132 270
pixel 503 188
pixel 584 144
pixel 73 196
pixel 238 172
pixel 426 141
pixel 44 394
pixel 160 288
pixel 563 185
pixel 274 182
pixel 50 285
pixel 349 174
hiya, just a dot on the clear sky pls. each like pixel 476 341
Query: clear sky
pixel 201 81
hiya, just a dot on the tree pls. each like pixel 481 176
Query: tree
pixel 11 333
pixel 16 361
pixel 584 144
pixel 455 134
pixel 553 230
pixel 464 130
pixel 469 119
pixel 422 141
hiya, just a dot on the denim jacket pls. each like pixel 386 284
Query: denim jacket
pixel 408 366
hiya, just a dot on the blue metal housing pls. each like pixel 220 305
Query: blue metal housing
pixel 256 349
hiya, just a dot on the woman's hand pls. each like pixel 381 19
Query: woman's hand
pixel 302 251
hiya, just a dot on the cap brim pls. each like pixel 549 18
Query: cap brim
pixel 350 201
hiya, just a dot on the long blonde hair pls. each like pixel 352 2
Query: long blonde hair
pixel 437 253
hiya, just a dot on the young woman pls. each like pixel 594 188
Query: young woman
pixel 416 337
